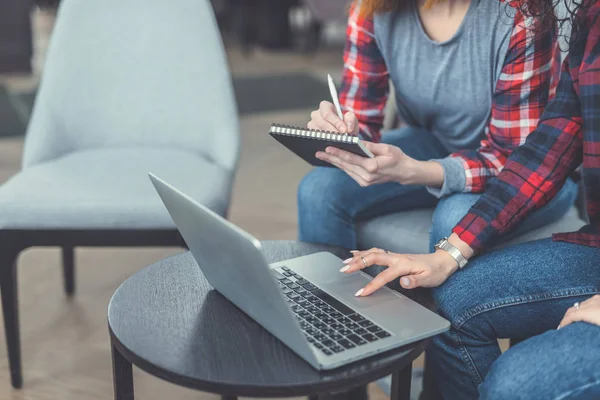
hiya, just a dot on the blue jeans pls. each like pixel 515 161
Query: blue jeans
pixel 518 292
pixel 330 202
pixel 555 365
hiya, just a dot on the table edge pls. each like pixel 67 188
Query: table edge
pixel 229 389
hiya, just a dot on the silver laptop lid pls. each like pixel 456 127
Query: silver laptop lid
pixel 233 263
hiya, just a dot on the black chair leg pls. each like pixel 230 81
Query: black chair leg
pixel 68 256
pixel 10 307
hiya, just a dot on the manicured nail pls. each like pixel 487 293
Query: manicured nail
pixel 405 282
pixel 359 292
pixel 344 269
pixel 348 260
pixel 353 251
pixel 558 328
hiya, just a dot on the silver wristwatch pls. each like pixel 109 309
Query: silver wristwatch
pixel 445 245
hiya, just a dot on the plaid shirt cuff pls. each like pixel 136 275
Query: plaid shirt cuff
pixel 475 231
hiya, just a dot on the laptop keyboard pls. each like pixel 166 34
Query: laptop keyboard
pixel 328 324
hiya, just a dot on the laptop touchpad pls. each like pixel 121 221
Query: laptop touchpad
pixel 345 289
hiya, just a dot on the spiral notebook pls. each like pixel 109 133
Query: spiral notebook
pixel 306 142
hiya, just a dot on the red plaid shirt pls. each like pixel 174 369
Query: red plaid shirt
pixel 521 92
pixel 568 134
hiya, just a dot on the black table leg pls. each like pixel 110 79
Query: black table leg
pixel 122 376
pixel 401 381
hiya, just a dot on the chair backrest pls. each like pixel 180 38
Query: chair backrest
pixel 329 10
pixel 135 73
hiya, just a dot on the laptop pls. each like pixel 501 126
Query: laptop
pixel 305 302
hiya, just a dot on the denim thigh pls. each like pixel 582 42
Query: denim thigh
pixel 329 201
pixel 517 292
pixel 555 365
pixel 450 210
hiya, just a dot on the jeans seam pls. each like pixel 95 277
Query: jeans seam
pixel 464 353
pixel 531 298
pixel 578 389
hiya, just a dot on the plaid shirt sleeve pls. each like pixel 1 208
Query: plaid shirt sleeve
pixel 529 76
pixel 534 172
pixel 365 81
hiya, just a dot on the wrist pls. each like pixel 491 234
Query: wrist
pixel 426 173
pixel 445 261
pixel 462 246
pixel 409 172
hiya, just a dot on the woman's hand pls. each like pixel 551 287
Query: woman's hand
pixel 390 164
pixel 423 270
pixel 326 119
pixel 588 311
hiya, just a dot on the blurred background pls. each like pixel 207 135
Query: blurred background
pixel 279 53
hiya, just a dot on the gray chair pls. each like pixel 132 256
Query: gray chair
pixel 128 88
pixel 414 227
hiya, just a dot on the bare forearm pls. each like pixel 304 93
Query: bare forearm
pixel 426 173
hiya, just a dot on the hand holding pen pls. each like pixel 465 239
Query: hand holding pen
pixel 329 116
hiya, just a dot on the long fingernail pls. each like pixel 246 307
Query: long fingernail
pixel 405 282
pixel 353 251
pixel 344 269
pixel 359 292
pixel 348 260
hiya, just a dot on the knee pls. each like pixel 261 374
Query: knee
pixel 445 297
pixel 449 211
pixel 510 377
pixel 311 188
pixel 320 190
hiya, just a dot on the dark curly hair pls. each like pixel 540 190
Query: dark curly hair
pixel 566 15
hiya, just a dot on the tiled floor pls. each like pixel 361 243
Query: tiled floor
pixel 65 342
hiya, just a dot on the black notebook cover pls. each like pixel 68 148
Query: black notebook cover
pixel 306 142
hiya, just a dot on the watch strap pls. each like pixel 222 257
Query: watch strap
pixel 448 247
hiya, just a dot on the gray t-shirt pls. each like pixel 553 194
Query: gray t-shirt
pixel 447 87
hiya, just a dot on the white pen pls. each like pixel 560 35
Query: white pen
pixel 334 97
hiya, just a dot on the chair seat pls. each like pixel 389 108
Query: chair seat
pixel 108 189
pixel 408 232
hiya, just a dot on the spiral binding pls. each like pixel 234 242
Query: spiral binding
pixel 288 130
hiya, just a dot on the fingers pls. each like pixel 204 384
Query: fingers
pixel 351 122
pixel 367 178
pixel 588 311
pixel 378 282
pixel 326 118
pixel 356 263
pixel 411 281
pixel 378 149
pixel 368 164
pixel 371 257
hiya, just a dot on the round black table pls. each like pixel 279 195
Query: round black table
pixel 167 320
